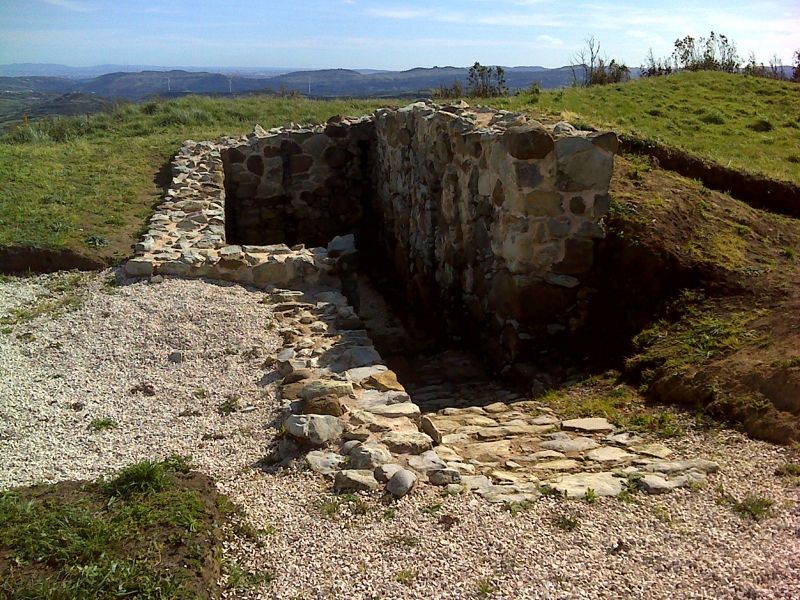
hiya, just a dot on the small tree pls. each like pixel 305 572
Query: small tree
pixel 714 53
pixel 595 70
pixel 449 92
pixel 655 67
pixel 486 82
pixel 585 59
pixel 796 67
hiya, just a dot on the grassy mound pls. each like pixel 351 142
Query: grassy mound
pixel 153 531
pixel 88 184
pixel 747 123
pixel 700 291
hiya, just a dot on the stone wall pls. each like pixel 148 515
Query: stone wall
pixel 489 219
pixel 296 186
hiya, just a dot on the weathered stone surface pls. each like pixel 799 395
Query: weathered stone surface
pixel 401 483
pixel 295 375
pixel 139 267
pixel 679 466
pixel 383 473
pixel 324 405
pixel 609 454
pixel 326 463
pixel 656 450
pixel 655 484
pixel 385 381
pixel 403 409
pixel 426 461
pixel 352 480
pixel 360 374
pixel 326 387
pixel 563 464
pixel 576 486
pixel 528 142
pixel 358 356
pixel 341 245
pixel 488 451
pixel 369 455
pixel 407 442
pixel 589 425
pixel 579 444
pixel 444 476
pixel 316 429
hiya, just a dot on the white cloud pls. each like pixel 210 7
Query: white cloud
pixel 550 41
pixel 70 5
pixel 399 14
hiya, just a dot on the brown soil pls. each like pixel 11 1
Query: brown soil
pixel 741 267
pixel 757 190
pixel 193 555
pixel 14 259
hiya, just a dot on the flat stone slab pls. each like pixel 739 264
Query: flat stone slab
pixel 326 463
pixel 656 484
pixel 654 450
pixel 576 486
pixel 590 425
pixel 578 444
pixel 609 454
pixel 564 464
pixel 403 409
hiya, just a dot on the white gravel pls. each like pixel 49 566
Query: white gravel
pixel 681 545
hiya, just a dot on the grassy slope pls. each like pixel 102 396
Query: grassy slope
pixel 93 191
pixel 711 115
pixel 151 532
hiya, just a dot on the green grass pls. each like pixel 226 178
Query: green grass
pixel 87 183
pixel 748 123
pixel 567 522
pixel 756 508
pixel 102 424
pixel 701 335
pixel 87 541
pixel 406 576
pixel 621 404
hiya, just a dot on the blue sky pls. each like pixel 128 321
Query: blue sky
pixel 393 34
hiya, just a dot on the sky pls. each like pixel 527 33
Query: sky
pixel 380 34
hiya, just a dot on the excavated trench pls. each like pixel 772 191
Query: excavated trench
pixel 432 348
pixel 632 286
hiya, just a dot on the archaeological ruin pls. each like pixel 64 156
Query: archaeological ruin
pixel 484 221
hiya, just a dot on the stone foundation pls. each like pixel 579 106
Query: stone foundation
pixel 487 219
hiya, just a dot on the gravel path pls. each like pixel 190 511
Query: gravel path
pixel 61 371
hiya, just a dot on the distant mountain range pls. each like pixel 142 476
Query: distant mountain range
pixel 38 90
pixel 54 70
pixel 137 85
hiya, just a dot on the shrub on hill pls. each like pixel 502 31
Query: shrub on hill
pixel 796 67
pixel 596 70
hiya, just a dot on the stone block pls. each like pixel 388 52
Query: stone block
pixel 528 142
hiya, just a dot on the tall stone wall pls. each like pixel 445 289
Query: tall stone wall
pixel 489 219
pixel 297 186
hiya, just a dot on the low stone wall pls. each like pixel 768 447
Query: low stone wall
pixel 489 218
pixel 299 186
